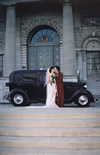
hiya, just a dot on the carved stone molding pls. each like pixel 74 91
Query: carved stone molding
pixel 37 23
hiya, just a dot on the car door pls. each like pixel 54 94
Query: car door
pixel 41 86
pixel 30 84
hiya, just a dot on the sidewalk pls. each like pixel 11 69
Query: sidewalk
pixel 34 108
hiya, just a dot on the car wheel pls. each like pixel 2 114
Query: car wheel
pixel 19 99
pixel 82 100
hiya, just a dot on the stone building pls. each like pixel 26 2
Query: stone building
pixel 36 34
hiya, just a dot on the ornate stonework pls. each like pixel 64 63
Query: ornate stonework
pixel 36 23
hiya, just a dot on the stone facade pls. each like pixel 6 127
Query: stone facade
pixel 87 38
pixel 66 18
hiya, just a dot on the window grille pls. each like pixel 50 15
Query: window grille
pixel 93 63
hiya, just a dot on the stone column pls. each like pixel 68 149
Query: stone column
pixel 10 42
pixel 84 65
pixel 18 44
pixel 69 57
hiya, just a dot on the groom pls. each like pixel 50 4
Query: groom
pixel 60 87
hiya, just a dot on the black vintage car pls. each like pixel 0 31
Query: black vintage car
pixel 28 86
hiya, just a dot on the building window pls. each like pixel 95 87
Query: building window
pixel 45 35
pixel 2 25
pixel 93 63
pixel 91 21
pixel 1 65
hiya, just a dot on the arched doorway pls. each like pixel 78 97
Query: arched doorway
pixel 43 48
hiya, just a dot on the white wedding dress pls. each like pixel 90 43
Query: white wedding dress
pixel 51 95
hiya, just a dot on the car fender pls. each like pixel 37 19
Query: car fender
pixel 16 90
pixel 79 92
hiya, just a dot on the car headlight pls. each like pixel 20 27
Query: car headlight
pixel 85 86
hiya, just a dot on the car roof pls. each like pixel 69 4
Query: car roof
pixel 24 71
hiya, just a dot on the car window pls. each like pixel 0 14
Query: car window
pixel 17 77
pixel 42 77
pixel 29 77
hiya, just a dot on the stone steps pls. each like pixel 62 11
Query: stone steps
pixel 50 142
pixel 22 151
pixel 49 131
pixel 51 116
pixel 51 123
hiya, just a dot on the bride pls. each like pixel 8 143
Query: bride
pixel 51 88
pixel 50 82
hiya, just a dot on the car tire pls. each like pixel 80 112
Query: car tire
pixel 19 99
pixel 82 100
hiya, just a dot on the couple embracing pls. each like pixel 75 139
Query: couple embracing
pixel 55 89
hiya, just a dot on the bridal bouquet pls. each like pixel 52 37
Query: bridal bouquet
pixel 53 78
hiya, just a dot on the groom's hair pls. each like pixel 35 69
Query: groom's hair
pixel 58 68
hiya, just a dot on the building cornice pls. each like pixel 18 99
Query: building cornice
pixel 11 2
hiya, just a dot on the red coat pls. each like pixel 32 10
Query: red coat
pixel 60 89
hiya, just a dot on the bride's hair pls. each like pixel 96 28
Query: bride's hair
pixel 51 69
